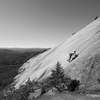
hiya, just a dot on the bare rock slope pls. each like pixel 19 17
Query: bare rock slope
pixel 86 67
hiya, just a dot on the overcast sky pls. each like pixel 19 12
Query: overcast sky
pixel 43 23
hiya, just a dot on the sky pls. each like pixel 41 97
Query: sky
pixel 43 23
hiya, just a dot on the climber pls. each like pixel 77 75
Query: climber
pixel 72 56
pixel 96 18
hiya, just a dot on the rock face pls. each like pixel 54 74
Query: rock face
pixel 86 67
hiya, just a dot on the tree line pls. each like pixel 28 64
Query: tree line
pixel 57 80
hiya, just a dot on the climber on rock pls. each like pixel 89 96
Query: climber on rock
pixel 72 56
pixel 96 18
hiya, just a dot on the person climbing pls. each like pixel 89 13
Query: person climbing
pixel 96 18
pixel 72 56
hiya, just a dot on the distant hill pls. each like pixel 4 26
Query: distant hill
pixel 10 61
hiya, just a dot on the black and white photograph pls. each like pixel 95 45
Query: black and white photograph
pixel 49 49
